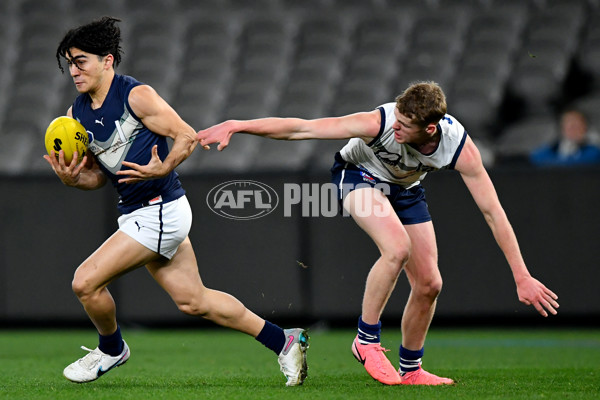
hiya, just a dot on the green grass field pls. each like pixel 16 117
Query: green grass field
pixel 221 364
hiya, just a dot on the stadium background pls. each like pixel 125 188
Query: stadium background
pixel 507 68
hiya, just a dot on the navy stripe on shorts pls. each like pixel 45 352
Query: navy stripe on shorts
pixel 160 234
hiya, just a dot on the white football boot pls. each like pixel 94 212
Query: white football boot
pixel 94 364
pixel 292 359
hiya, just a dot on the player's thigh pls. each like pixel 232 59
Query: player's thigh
pixel 423 262
pixel 178 276
pixel 372 211
pixel 117 255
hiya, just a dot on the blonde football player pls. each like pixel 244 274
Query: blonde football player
pixel 390 151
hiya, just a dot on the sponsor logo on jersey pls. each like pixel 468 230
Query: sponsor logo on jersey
pixel 367 178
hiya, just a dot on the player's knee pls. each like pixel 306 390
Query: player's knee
pixel 81 288
pixel 193 307
pixel 430 287
pixel 397 257
pixel 86 284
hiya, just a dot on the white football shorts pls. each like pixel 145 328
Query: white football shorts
pixel 159 227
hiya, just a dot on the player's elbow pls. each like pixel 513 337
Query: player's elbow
pixel 285 136
pixel 494 216
pixel 189 139
pixel 183 146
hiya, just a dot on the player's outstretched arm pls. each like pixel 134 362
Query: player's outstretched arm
pixel 159 117
pixel 529 289
pixel 365 125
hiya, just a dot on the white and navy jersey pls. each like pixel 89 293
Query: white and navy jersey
pixel 401 164
pixel 117 134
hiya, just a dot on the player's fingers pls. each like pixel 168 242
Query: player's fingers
pixel 51 160
pixel 202 137
pixel 130 173
pixel 551 300
pixel 129 180
pixel 206 141
pixel 61 158
pixel 540 309
pixel 551 293
pixel 549 307
pixel 80 165
pixel 222 145
pixel 133 166
pixel 74 160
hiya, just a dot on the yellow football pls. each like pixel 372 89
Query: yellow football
pixel 67 134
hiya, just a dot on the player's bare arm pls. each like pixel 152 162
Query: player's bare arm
pixel 86 175
pixel 477 180
pixel 364 125
pixel 158 116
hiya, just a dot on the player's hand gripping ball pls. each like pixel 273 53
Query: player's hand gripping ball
pixel 67 134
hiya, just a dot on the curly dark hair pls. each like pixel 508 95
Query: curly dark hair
pixel 100 37
pixel 423 102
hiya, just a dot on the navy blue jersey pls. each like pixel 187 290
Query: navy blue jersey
pixel 116 134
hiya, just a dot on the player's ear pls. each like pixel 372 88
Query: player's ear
pixel 108 61
pixel 430 129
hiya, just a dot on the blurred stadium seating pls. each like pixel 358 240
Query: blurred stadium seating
pixel 507 66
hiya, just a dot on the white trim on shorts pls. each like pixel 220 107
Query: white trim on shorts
pixel 160 227
pixel 341 191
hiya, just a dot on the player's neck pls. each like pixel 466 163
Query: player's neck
pixel 98 95
pixel 429 145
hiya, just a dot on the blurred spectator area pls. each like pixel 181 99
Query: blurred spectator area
pixel 507 67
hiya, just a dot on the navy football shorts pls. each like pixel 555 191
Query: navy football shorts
pixel 409 204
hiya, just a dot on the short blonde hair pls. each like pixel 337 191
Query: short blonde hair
pixel 423 102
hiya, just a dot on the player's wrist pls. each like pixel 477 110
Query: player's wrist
pixel 520 278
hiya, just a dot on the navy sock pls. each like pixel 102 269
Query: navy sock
pixel 272 337
pixel 368 334
pixel 410 360
pixel 111 344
